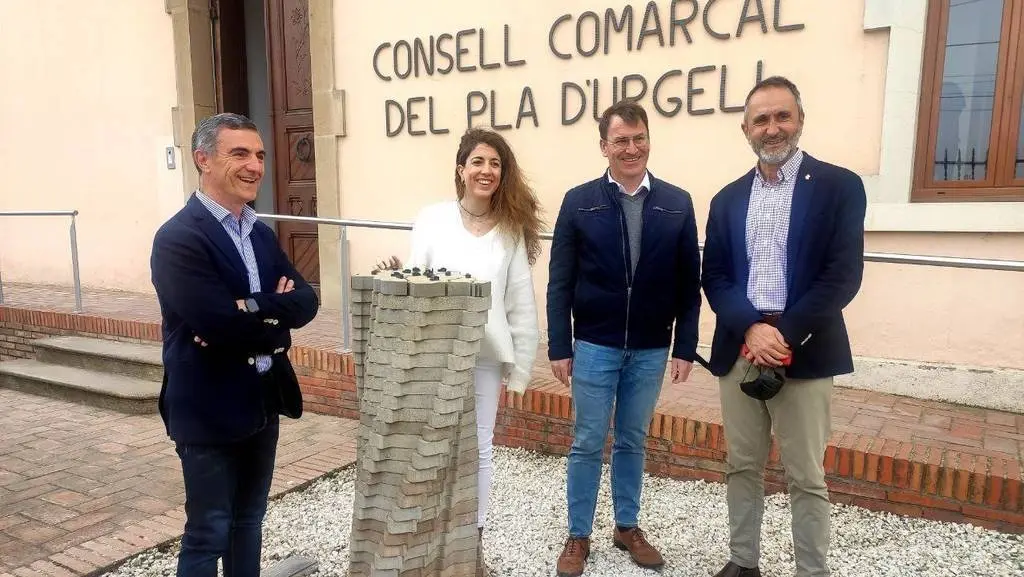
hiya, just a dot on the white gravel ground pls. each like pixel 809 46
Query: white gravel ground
pixel 686 520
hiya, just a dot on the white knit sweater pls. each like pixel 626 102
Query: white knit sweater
pixel 439 239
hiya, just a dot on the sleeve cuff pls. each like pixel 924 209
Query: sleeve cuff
pixel 559 352
pixel 518 380
pixel 789 332
pixel 685 355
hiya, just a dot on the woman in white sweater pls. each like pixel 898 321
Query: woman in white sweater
pixel 491 231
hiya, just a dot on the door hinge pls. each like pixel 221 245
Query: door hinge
pixel 214 9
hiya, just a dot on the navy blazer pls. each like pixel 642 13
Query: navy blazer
pixel 213 394
pixel 825 255
pixel 593 295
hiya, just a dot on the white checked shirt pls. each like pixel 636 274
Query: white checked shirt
pixel 767 235
pixel 238 230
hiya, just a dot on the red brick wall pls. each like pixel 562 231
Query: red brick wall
pixel 19 327
pixel 327 381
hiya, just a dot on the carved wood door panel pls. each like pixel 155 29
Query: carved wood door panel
pixel 230 67
pixel 292 97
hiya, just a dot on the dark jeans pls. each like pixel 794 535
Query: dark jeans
pixel 226 488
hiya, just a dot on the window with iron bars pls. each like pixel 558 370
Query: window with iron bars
pixel 970 141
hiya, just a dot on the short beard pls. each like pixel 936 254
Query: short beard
pixel 776 158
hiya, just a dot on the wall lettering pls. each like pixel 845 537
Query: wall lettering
pixel 661 25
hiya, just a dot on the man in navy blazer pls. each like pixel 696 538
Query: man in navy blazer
pixel 229 298
pixel 783 256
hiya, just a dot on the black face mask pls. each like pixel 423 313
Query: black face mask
pixel 765 385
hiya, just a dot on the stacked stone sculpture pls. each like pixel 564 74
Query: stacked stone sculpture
pixel 416 335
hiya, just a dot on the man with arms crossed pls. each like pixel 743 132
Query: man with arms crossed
pixel 784 255
pixel 229 299
pixel 624 267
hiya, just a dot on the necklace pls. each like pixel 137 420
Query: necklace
pixel 481 215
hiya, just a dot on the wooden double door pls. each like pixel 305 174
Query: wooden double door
pixel 285 25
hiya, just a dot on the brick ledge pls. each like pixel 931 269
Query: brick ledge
pixel 883 475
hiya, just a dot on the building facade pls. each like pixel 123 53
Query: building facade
pixel 362 105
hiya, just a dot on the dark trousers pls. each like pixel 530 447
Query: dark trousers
pixel 226 489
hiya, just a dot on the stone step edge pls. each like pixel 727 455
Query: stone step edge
pixel 58 344
pixel 16 368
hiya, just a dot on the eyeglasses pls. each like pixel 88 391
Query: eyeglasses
pixel 640 140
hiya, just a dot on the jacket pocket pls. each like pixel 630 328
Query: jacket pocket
pixel 668 223
pixel 596 225
pixel 668 211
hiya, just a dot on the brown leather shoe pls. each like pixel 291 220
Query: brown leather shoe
pixel 643 553
pixel 574 557
pixel 733 570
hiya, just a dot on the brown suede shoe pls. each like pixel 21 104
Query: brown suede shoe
pixel 643 553
pixel 574 557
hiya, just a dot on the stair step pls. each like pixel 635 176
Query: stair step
pixel 128 359
pixel 111 391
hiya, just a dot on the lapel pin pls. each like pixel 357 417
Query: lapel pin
pixel 807 177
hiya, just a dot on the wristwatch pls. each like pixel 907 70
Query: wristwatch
pixel 251 306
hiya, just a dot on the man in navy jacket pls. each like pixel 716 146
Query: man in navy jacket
pixel 625 267
pixel 783 255
pixel 229 297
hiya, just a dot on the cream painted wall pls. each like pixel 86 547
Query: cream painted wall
pixel 85 115
pixel 969 317
pixel 700 153
pixel 943 315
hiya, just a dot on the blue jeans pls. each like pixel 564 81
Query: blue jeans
pixel 603 378
pixel 226 489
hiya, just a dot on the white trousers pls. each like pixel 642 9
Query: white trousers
pixel 487 383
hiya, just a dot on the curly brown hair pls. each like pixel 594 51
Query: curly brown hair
pixel 514 201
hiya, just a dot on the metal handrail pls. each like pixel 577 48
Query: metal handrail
pixel 74 248
pixel 382 224
pixel 344 223
pixel 893 258
pixel 946 261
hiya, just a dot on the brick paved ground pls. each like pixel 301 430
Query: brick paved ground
pixel 83 487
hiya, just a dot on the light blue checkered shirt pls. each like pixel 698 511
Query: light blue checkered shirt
pixel 238 230
pixel 768 235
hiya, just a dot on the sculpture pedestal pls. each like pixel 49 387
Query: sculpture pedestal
pixel 415 345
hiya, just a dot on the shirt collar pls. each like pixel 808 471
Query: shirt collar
pixel 787 171
pixel 644 184
pixel 248 217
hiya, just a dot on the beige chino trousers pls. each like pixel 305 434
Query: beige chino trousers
pixel 801 416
